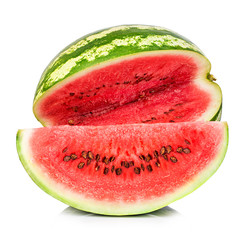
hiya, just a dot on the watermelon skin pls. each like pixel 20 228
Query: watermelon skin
pixel 108 44
pixel 217 116
pixel 106 207
pixel 116 44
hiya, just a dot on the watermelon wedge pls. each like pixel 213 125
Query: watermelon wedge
pixel 122 169
pixel 128 74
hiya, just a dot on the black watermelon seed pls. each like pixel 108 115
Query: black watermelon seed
pixel 148 157
pixel 73 156
pixel 187 142
pixel 157 163
pixel 112 168
pixel 156 154
pixel 169 149
pixel 163 150
pixel 71 122
pixel 112 158
pixel 142 167
pixel 137 170
pixel 97 157
pixel 106 170
pixel 65 149
pixel 131 163
pixel 84 154
pixel 126 164
pixel 118 171
pixel 186 150
pixel 88 161
pixel 149 168
pixel 142 157
pixel 72 94
pixel 105 160
pixel 173 159
pixel 90 155
pixel 179 150
pixel 97 168
pixel 67 158
pixel 81 165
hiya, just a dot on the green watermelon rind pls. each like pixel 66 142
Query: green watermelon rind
pixel 107 208
pixel 202 80
pixel 108 44
pixel 217 116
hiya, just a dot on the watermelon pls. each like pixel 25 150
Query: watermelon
pixel 122 169
pixel 128 74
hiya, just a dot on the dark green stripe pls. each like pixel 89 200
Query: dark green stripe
pixel 134 34
pixel 217 116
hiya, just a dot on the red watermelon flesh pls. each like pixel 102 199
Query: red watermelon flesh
pixel 147 88
pixel 122 169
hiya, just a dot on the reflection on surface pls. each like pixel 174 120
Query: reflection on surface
pixel 145 226
pixel 162 212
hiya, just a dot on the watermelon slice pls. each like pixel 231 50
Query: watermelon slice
pixel 122 169
pixel 128 74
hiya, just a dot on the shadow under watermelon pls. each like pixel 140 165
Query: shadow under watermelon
pixel 162 212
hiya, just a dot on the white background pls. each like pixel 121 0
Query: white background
pixel 33 32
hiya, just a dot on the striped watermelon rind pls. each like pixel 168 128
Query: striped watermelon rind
pixel 109 44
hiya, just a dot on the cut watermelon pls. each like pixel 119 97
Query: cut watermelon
pixel 143 93
pixel 128 74
pixel 122 169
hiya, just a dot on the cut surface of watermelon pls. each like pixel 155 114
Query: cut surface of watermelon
pixel 168 86
pixel 128 74
pixel 122 169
